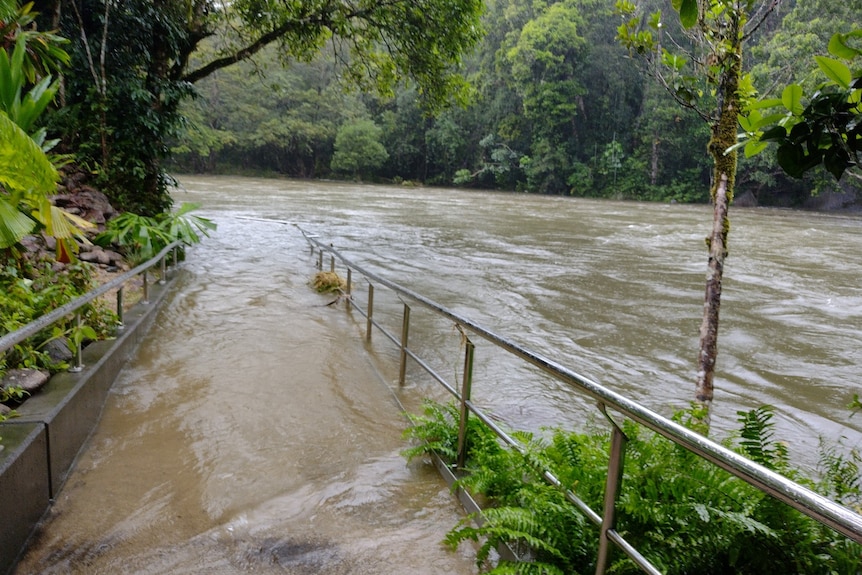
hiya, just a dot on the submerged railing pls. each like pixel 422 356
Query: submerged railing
pixel 9 340
pixel 819 508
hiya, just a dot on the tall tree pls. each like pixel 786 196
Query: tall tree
pixel 148 48
pixel 718 31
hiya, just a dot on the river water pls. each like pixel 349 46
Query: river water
pixel 256 431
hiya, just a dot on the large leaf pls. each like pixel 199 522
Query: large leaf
pixel 24 167
pixel 839 47
pixel 34 102
pixel 836 71
pixel 791 98
pixel 14 225
pixel 688 13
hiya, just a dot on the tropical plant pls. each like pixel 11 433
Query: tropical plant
pixel 44 53
pixel 29 291
pixel 26 174
pixel 681 512
pixel 142 237
pixel 822 129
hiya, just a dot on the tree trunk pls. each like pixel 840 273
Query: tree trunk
pixel 723 138
pixel 712 300
pixel 653 173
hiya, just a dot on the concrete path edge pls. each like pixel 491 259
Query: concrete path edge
pixel 41 445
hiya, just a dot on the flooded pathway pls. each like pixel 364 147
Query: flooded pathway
pixel 250 434
pixel 256 432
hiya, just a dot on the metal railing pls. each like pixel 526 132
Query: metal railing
pixel 9 340
pixel 819 508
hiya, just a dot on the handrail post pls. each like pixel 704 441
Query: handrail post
pixel 332 264
pixel 405 329
pixel 368 323
pixel 79 355
pixel 612 488
pixel 164 272
pixel 120 312
pixel 320 260
pixel 349 283
pixel 175 252
pixel 146 298
pixel 466 390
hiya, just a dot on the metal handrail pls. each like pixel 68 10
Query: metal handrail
pixel 11 339
pixel 814 505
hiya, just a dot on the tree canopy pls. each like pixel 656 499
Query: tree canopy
pixel 558 106
pixel 133 64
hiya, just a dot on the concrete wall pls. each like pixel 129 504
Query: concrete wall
pixel 39 448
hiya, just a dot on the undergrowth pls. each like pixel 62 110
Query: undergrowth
pixel 682 513
pixel 31 290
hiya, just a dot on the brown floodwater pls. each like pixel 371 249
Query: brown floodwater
pixel 256 431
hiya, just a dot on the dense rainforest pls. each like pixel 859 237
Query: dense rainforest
pixel 558 106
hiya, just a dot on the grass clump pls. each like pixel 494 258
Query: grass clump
pixel 328 282
pixel 684 514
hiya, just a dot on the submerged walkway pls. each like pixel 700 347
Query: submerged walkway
pixel 250 433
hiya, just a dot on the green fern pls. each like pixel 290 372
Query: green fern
pixel 758 443
pixel 683 513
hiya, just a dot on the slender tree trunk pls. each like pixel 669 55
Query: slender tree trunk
pixel 724 174
pixel 653 173
pixel 712 300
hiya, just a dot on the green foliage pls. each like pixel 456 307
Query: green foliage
pixel 827 130
pixel 358 149
pixel 683 513
pixel 14 393
pixel 11 394
pixel 757 439
pixel 552 87
pixel 142 237
pixel 26 173
pixel 137 62
pixel 24 108
pixel 29 292
pixel 44 53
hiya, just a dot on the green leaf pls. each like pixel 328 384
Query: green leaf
pixel 688 13
pixel 836 71
pixel 791 98
pixel 836 164
pixel 838 47
pixel 754 147
pixel 791 157
pixel 768 103
pixel 14 225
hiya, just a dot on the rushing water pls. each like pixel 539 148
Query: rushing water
pixel 255 431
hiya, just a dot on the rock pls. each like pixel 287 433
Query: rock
pixel 87 202
pixel 30 380
pixel 58 350
pixel 50 242
pixel 99 255
pixel 4 409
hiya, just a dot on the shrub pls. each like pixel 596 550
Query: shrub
pixel 28 292
pixel 681 512
pixel 142 237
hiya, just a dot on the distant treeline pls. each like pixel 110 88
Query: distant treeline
pixel 559 107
